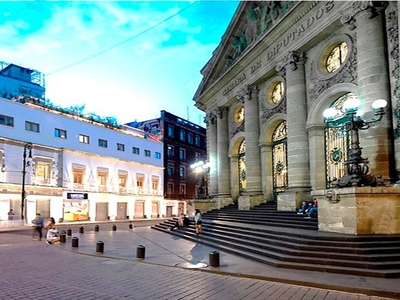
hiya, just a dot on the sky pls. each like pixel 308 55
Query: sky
pixel 126 59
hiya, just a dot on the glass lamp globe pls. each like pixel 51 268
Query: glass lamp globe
pixel 351 103
pixel 330 113
pixel 380 103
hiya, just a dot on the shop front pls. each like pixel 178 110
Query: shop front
pixel 76 207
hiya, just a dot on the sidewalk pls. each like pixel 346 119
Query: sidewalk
pixel 168 250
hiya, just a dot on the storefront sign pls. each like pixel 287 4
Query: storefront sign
pixel 77 196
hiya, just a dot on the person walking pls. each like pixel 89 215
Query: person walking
pixel 10 218
pixel 38 226
pixel 198 221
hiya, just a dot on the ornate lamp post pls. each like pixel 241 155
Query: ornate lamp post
pixel 349 120
pixel 27 147
pixel 201 169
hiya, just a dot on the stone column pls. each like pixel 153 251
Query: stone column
pixel 234 162
pixel 222 150
pixel 316 135
pixel 297 140
pixel 366 17
pixel 212 153
pixel 252 135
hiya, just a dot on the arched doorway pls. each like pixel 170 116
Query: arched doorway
pixel 336 145
pixel 279 158
pixel 242 167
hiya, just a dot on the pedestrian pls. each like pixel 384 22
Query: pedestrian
pixel 313 210
pixel 10 218
pixel 38 226
pixel 198 221
pixel 52 235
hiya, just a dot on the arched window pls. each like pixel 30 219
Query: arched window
pixel 336 57
pixel 242 167
pixel 279 158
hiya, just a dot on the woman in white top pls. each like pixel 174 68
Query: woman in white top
pixel 52 235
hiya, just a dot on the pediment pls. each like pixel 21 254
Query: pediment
pixel 251 21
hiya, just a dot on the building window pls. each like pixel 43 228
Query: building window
pixel 239 114
pixel 154 182
pixel 102 180
pixel 147 153
pixel 182 135
pixel 78 177
pixel 182 190
pixel 182 172
pixel 170 131
pixel 190 137
pixel 140 181
pixel 182 154
pixel 277 93
pixel 197 140
pixel 336 57
pixel 30 126
pixel 84 139
pixel 6 120
pixel 170 151
pixel 157 155
pixel 120 147
pixel 60 133
pixel 122 178
pixel 103 143
pixel 170 170
pixel 135 150
pixel 43 172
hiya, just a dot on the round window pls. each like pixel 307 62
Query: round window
pixel 277 93
pixel 336 57
pixel 239 114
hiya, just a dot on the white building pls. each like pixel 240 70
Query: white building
pixel 78 168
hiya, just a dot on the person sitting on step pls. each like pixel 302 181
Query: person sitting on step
pixel 304 208
pixel 179 223
pixel 313 210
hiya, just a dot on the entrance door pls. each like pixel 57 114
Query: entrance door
pixel 154 210
pixel 139 210
pixel 122 211
pixel 101 211
pixel 169 211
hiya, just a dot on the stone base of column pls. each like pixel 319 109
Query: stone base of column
pixel 205 205
pixel 360 210
pixel 291 199
pixel 246 202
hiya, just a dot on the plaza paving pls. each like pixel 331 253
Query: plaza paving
pixel 170 270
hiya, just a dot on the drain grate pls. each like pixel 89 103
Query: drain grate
pixel 187 265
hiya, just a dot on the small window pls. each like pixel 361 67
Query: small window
pixel 239 114
pixel 43 172
pixel 197 140
pixel 336 57
pixel 157 155
pixel 182 172
pixel 135 150
pixel 60 133
pixel 6 120
pixel 182 154
pixel 170 151
pixel 147 153
pixel 120 147
pixel 170 131
pixel 170 170
pixel 30 126
pixel 278 92
pixel 103 143
pixel 139 180
pixel 182 135
pixel 84 139
pixel 190 137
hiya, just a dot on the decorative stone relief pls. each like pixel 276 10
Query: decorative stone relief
pixel 346 74
pixel 268 112
pixel 221 112
pixel 235 128
pixel 292 59
pixel 370 8
pixel 393 34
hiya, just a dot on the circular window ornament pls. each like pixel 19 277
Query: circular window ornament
pixel 277 93
pixel 336 57
pixel 239 115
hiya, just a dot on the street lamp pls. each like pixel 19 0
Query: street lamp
pixel 349 120
pixel 201 168
pixel 28 146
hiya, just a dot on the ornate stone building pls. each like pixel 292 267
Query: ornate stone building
pixel 278 67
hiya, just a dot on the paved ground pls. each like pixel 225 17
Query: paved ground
pixel 34 270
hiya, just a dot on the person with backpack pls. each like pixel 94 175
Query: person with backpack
pixel 198 221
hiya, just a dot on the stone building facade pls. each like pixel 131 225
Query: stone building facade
pixel 278 67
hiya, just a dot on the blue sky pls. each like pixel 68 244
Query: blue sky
pixel 128 59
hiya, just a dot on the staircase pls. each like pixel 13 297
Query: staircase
pixel 287 240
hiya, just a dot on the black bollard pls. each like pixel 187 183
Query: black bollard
pixel 114 228
pixel 63 237
pixel 130 226
pixel 97 228
pixel 75 242
pixel 69 231
pixel 140 251
pixel 81 230
pixel 214 258
pixel 100 247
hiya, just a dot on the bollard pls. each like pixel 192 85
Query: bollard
pixel 81 229
pixel 100 247
pixel 97 228
pixel 214 258
pixel 63 237
pixel 130 226
pixel 114 228
pixel 75 242
pixel 140 251
pixel 69 231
